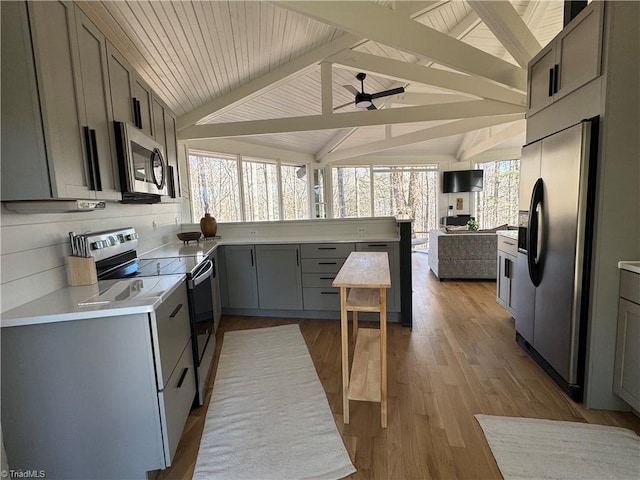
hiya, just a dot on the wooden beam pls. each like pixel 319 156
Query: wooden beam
pixel 448 111
pixel 509 28
pixel 268 81
pixel 495 139
pixel 326 85
pixel 412 72
pixel 409 98
pixel 380 24
pixel 446 130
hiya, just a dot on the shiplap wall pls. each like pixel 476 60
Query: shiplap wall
pixel 34 247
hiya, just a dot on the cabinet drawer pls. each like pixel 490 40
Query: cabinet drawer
pixel 326 250
pixel 321 299
pixel 630 286
pixel 322 265
pixel 318 280
pixel 508 245
pixel 174 330
pixel 175 402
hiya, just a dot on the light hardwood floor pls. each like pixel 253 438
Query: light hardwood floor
pixel 460 359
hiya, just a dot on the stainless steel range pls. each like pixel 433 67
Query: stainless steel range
pixel 116 257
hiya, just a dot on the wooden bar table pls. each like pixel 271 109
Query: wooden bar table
pixel 363 281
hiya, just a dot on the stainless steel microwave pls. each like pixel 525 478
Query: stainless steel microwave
pixel 143 168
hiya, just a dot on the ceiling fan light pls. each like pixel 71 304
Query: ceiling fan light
pixel 363 100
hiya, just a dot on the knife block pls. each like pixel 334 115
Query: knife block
pixel 82 271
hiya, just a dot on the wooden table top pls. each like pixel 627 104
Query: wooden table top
pixel 364 270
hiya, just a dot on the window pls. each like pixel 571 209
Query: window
pixel 214 186
pixel 261 198
pixel 351 192
pixel 295 193
pixel 497 204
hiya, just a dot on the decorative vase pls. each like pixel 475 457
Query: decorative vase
pixel 208 225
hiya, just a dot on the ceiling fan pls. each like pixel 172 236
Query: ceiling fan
pixel 364 100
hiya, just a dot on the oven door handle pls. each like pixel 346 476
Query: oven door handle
pixel 202 275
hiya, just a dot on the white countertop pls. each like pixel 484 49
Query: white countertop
pixel 630 266
pixel 205 247
pixel 139 295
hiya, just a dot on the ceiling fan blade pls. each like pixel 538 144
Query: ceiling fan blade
pixel 352 89
pixel 343 105
pixel 372 107
pixel 386 93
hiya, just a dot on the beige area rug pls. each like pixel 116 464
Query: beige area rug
pixel 527 448
pixel 269 417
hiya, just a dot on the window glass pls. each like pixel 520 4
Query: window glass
pixel 497 203
pixel 214 187
pixel 295 193
pixel 260 183
pixel 351 192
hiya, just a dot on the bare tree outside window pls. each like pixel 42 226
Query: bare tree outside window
pixel 214 187
pixel 351 192
pixel 261 198
pixel 295 194
pixel 497 204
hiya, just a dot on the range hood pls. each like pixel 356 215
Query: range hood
pixel 55 206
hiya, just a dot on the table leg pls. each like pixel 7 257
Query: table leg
pixel 383 357
pixel 355 325
pixel 345 353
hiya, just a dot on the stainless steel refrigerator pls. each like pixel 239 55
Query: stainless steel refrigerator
pixel 557 183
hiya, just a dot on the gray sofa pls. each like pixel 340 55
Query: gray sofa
pixel 471 255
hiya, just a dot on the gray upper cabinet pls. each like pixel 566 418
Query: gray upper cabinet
pixel 95 104
pixel 279 277
pixel 241 281
pixel 164 128
pixel 121 82
pixel 143 96
pixel 68 89
pixel 570 61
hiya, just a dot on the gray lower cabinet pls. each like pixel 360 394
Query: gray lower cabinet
pixel 321 262
pixel 215 289
pixel 626 382
pixel 241 286
pixel 98 398
pixel 393 250
pixel 279 277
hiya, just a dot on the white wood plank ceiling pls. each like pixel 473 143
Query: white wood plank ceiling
pixel 219 64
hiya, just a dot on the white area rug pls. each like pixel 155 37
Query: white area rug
pixel 527 448
pixel 269 417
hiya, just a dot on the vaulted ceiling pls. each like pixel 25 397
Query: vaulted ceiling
pixel 274 73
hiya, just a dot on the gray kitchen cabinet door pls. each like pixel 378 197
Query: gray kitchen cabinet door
pixel 393 250
pixel 143 95
pixel 95 104
pixel 55 49
pixel 241 281
pixel 279 277
pixel 120 83
pixel 24 160
pixel 215 290
pixel 164 128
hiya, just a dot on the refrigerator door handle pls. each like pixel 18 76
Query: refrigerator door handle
pixel 535 272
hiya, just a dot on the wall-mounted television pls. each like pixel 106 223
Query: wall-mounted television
pixel 462 181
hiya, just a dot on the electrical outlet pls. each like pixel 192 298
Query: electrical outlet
pixel 361 232
pixel 253 233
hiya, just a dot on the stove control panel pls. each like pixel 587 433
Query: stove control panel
pixel 108 243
